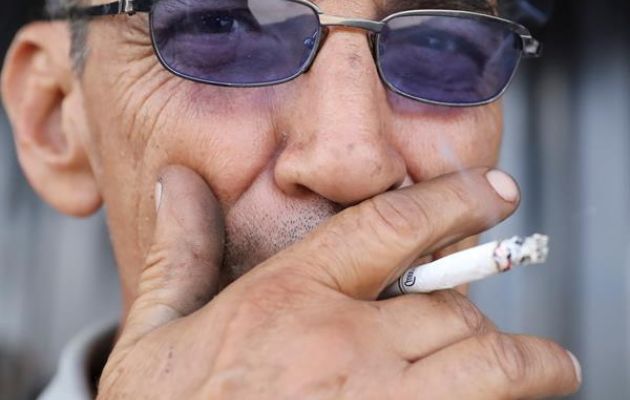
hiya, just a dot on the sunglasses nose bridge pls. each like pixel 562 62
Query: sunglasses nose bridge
pixel 327 20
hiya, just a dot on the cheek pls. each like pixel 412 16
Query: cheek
pixel 146 123
pixel 435 140
pixel 229 148
pixel 152 119
pixel 226 138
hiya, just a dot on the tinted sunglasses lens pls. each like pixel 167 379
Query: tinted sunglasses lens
pixel 448 59
pixel 234 42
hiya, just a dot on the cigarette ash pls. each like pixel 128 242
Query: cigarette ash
pixel 521 251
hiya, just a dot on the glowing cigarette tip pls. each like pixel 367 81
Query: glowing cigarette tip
pixel 471 265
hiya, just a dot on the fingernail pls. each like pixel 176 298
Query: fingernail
pixel 158 195
pixel 577 366
pixel 503 184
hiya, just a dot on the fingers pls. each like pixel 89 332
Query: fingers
pixel 365 247
pixel 494 366
pixel 182 267
pixel 418 325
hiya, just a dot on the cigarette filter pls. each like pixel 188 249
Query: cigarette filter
pixel 471 265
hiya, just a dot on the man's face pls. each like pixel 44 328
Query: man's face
pixel 279 159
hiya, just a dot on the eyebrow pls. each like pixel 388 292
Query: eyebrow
pixel 388 7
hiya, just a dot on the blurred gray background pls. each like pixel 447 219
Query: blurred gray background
pixel 567 141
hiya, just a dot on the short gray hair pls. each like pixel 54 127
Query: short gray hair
pixel 78 30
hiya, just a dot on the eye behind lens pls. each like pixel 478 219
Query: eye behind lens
pixel 235 42
pixel 451 59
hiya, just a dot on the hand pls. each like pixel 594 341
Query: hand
pixel 305 323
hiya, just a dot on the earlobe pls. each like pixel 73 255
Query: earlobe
pixel 45 107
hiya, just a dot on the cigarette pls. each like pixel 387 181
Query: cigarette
pixel 471 265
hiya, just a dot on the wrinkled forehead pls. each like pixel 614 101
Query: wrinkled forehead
pixel 387 7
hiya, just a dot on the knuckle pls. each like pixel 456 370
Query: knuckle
pixel 465 311
pixel 508 355
pixel 469 199
pixel 461 192
pixel 400 214
pixel 167 261
pixel 157 268
pixel 167 266
pixel 176 282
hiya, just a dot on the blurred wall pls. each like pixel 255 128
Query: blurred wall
pixel 567 141
pixel 57 275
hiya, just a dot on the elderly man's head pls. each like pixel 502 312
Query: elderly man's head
pixel 280 158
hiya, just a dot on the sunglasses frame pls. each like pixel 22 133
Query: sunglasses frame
pixel 530 47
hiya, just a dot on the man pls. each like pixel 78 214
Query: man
pixel 268 168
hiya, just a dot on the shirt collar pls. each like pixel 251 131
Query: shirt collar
pixel 81 356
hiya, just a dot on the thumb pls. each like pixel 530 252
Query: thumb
pixel 181 270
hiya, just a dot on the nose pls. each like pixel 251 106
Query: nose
pixel 338 143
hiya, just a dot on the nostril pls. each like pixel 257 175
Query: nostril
pixel 300 190
pixel 293 188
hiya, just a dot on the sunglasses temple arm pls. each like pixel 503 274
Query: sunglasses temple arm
pixel 532 48
pixel 128 7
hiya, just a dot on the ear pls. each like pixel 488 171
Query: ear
pixel 44 103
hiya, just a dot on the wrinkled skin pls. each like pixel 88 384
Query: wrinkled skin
pixel 259 170
pixel 304 324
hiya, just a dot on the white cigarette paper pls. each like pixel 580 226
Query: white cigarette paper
pixel 471 265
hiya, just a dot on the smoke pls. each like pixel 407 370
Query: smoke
pixel 447 152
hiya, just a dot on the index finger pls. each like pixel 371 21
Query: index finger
pixel 360 250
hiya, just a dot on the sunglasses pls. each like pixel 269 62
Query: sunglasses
pixel 444 57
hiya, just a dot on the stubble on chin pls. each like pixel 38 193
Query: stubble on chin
pixel 254 234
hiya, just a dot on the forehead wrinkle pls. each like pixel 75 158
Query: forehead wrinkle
pixel 388 7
